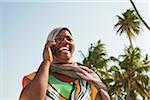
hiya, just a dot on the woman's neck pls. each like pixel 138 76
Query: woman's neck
pixel 56 60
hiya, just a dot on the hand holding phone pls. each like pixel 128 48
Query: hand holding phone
pixel 48 51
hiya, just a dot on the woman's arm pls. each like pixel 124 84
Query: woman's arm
pixel 36 89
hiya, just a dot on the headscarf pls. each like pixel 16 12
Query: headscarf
pixel 55 31
pixel 71 68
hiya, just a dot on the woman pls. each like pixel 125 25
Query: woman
pixel 58 77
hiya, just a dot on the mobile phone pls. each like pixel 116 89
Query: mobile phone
pixel 53 49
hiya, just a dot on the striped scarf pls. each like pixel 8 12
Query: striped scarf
pixel 78 72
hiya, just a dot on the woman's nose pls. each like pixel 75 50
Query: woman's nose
pixel 65 40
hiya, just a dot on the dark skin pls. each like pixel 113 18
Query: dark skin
pixel 64 44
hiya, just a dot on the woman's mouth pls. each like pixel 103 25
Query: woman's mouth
pixel 66 49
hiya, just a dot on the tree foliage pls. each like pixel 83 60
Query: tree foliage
pixel 127 78
pixel 128 24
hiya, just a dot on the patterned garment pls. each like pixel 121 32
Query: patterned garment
pixel 58 90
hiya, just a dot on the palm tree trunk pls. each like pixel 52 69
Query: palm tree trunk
pixel 139 15
pixel 129 88
pixel 130 41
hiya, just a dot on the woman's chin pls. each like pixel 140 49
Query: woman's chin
pixel 64 56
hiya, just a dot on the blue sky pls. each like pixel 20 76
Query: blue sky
pixel 24 26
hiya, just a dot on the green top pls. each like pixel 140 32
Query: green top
pixel 63 88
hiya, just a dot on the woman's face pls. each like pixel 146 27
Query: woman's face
pixel 64 45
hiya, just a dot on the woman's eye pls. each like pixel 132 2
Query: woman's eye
pixel 62 38
pixel 59 39
pixel 68 38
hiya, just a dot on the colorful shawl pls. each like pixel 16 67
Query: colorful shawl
pixel 58 90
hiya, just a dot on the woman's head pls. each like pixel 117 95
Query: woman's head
pixel 64 47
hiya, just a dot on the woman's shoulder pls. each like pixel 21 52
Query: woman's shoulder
pixel 28 78
pixel 31 75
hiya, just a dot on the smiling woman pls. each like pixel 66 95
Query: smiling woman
pixel 64 46
pixel 59 77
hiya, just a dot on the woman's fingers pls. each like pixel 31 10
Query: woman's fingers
pixel 50 43
pixel 47 53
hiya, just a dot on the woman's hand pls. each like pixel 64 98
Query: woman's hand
pixel 47 53
pixel 36 89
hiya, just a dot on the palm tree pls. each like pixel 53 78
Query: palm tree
pixel 129 24
pixel 97 60
pixel 115 87
pixel 130 77
pixel 139 15
pixel 126 79
pixel 96 56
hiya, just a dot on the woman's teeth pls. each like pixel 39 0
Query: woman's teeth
pixel 64 48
